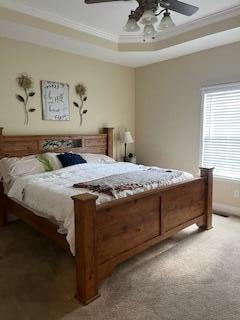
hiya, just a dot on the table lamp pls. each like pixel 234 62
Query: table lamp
pixel 127 138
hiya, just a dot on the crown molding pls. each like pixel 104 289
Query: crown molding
pixel 66 22
pixel 195 24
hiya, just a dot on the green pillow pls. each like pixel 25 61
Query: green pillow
pixel 46 164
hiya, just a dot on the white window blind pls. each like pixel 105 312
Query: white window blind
pixel 220 145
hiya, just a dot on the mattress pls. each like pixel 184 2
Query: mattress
pixel 49 194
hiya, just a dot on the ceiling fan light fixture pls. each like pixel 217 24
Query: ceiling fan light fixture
pixel 147 11
pixel 131 25
pixel 166 22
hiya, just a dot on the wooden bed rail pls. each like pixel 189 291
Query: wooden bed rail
pixel 110 233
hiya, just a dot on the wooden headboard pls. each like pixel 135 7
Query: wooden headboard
pixel 17 146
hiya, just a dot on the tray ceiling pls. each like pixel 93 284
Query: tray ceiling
pixel 97 30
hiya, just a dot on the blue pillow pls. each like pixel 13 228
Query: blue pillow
pixel 70 159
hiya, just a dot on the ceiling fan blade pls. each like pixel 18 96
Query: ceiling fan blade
pixel 180 7
pixel 100 1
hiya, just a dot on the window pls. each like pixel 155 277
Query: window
pixel 220 138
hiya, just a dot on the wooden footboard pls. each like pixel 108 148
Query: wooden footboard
pixel 108 234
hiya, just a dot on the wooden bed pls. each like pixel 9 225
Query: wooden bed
pixel 108 234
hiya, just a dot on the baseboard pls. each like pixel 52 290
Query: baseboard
pixel 218 207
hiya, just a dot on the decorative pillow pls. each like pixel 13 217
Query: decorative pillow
pixel 70 159
pixel 45 162
pixel 97 158
pixel 11 168
pixel 53 160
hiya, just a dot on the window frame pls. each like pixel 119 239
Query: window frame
pixel 204 90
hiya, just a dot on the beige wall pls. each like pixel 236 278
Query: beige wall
pixel 167 100
pixel 168 110
pixel 111 98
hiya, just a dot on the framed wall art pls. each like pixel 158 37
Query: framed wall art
pixel 55 101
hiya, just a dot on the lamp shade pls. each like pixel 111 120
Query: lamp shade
pixel 149 32
pixel 127 137
pixel 131 25
pixel 166 22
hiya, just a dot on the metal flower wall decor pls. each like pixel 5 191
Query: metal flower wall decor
pixel 25 83
pixel 81 91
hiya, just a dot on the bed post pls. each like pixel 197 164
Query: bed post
pixel 3 208
pixel 207 174
pixel 109 132
pixel 85 247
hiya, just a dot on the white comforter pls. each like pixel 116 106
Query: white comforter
pixel 49 194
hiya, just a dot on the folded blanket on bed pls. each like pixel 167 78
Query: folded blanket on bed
pixel 145 180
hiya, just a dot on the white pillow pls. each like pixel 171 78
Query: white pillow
pixel 97 158
pixel 16 167
pixel 53 160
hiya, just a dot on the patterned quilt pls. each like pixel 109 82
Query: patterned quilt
pixel 117 183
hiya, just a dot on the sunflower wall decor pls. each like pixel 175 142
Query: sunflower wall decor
pixel 81 91
pixel 25 82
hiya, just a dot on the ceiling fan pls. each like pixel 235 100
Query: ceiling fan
pixel 147 11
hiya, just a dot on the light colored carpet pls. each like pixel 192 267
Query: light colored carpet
pixel 193 276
